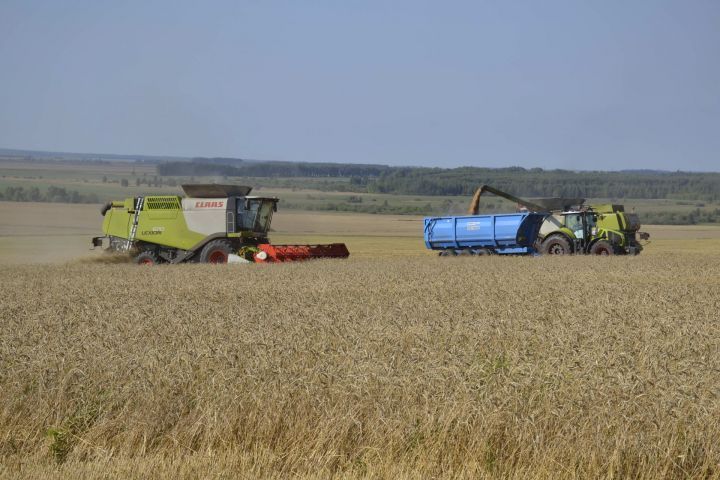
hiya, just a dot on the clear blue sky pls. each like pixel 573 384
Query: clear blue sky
pixel 604 84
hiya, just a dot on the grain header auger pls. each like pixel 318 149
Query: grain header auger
pixel 552 226
pixel 213 223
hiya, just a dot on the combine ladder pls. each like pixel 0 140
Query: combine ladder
pixel 139 201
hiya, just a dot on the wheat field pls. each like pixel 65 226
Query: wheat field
pixel 407 367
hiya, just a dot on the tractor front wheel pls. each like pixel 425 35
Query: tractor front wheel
pixel 216 251
pixel 556 245
pixel 602 247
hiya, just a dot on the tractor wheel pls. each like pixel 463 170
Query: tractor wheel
pixel 216 251
pixel 602 247
pixel 556 245
pixel 147 258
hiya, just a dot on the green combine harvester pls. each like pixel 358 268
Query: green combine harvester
pixel 213 223
pixel 570 226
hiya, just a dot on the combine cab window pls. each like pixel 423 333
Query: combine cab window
pixel 254 215
pixel 247 211
pixel 264 216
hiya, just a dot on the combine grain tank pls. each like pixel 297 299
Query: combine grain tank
pixel 512 233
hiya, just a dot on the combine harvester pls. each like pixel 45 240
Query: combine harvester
pixel 212 224
pixel 552 226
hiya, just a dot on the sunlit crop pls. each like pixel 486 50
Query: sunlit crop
pixel 410 367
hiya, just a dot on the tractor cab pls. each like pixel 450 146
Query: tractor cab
pixel 579 223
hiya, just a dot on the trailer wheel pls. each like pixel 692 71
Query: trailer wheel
pixel 147 258
pixel 602 247
pixel 216 251
pixel 556 245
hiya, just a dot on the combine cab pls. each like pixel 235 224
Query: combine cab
pixel 211 224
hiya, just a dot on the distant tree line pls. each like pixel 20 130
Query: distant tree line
pixel 353 206
pixel 550 183
pixel 209 167
pixel 194 169
pixel 52 194
pixel 233 162
pixel 534 182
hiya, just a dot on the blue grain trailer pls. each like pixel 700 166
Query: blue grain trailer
pixel 511 233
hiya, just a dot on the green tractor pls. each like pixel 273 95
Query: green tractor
pixel 594 229
pixel 572 227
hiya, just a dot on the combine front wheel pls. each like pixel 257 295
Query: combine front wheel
pixel 216 251
pixel 147 258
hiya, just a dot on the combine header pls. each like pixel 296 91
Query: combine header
pixel 289 253
pixel 211 224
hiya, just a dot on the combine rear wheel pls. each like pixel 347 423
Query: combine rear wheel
pixel 147 258
pixel 556 245
pixel 216 251
pixel 602 247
